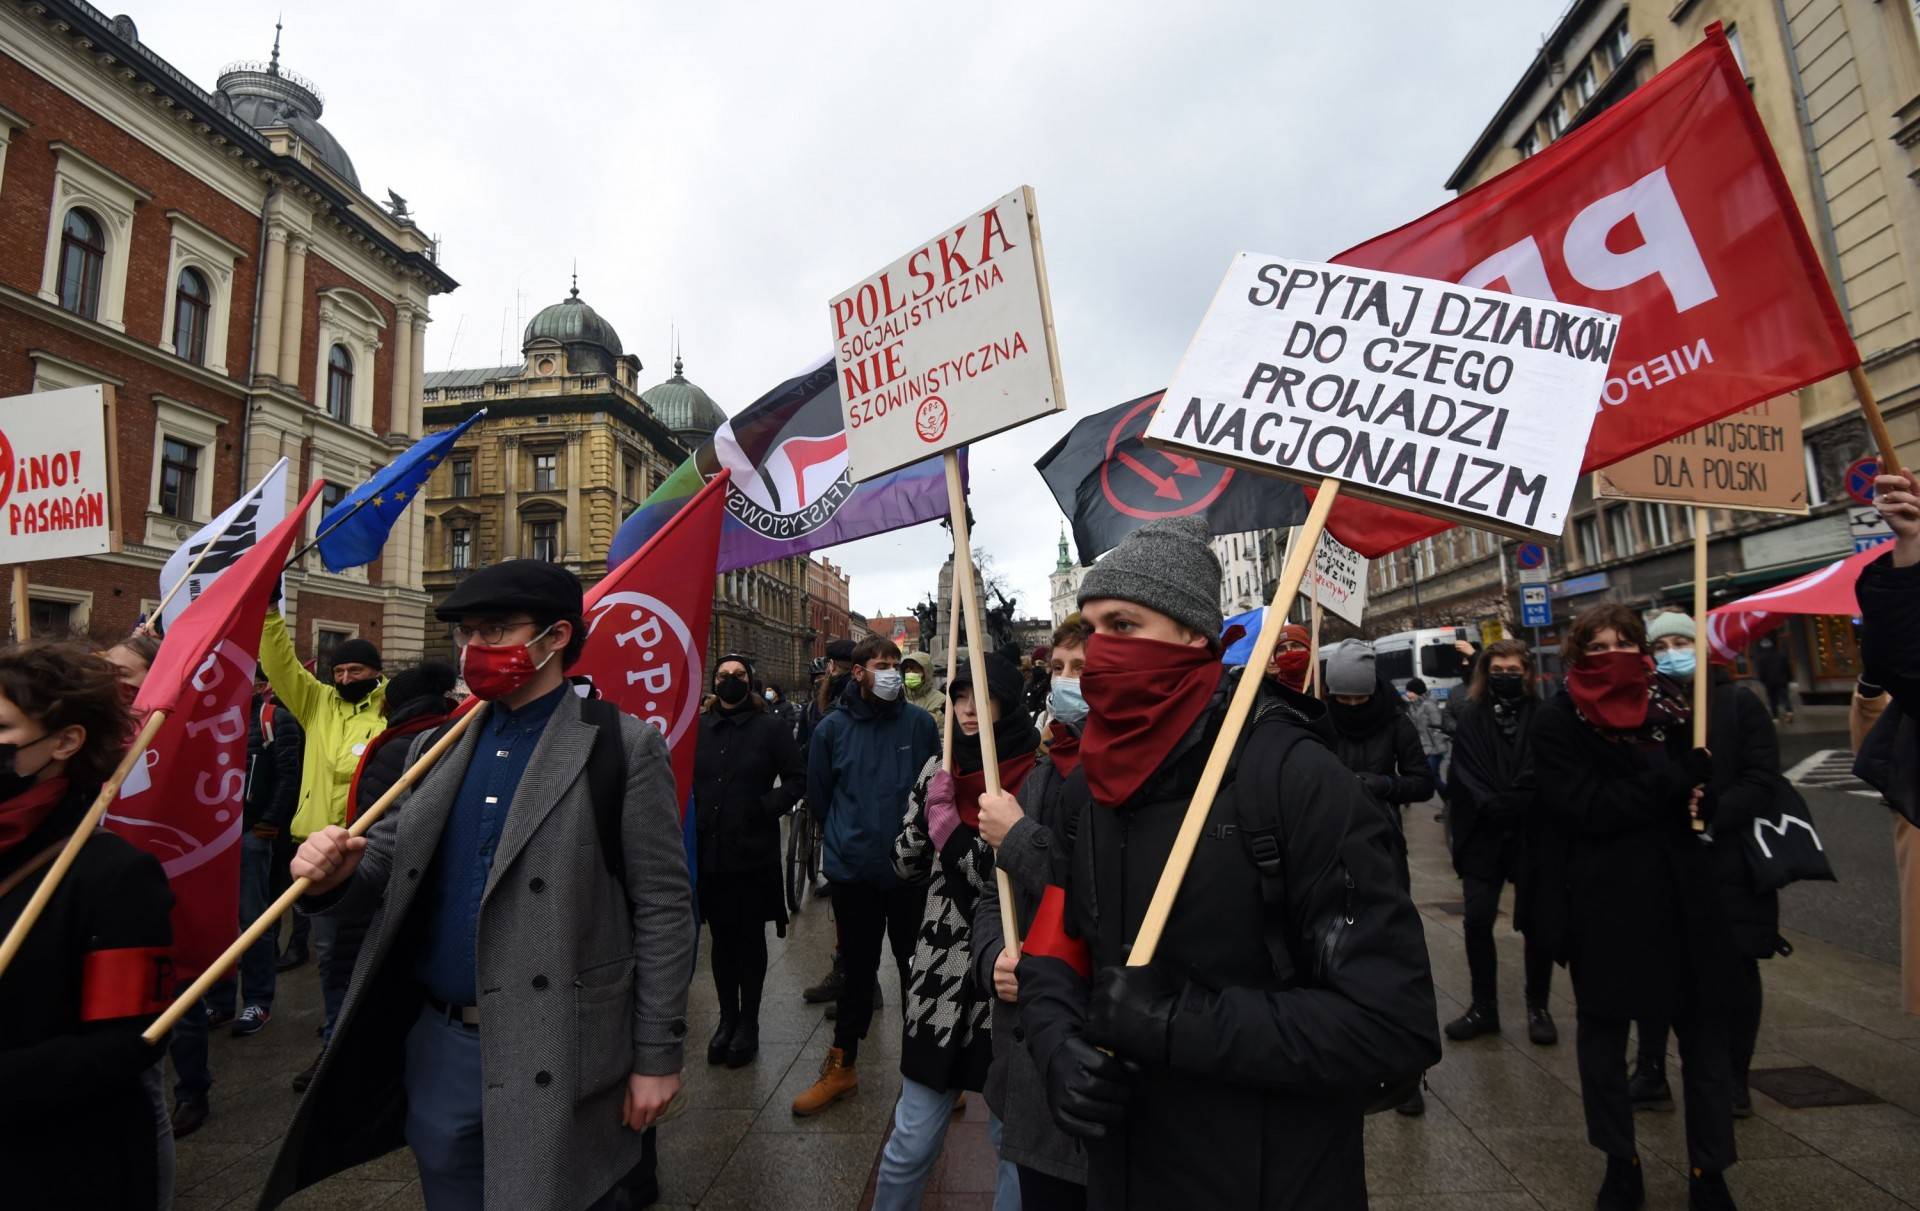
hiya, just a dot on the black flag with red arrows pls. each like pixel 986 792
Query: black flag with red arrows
pixel 1111 483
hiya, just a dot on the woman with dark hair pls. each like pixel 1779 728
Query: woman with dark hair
pixel 1491 801
pixel 747 771
pixel 1645 935
pixel 76 1122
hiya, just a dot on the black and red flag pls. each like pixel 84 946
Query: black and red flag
pixel 1111 483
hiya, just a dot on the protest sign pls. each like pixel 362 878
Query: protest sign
pixel 1338 579
pixel 1751 460
pixel 951 343
pixel 56 475
pixel 1461 403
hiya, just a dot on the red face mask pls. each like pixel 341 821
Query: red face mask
pixel 1143 696
pixel 498 672
pixel 1291 668
pixel 1611 688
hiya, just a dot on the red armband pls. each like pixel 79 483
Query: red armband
pixel 130 982
pixel 1048 937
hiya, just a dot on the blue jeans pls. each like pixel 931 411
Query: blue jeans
pixel 187 1045
pixel 920 1120
pixel 326 932
pixel 443 1110
pixel 257 964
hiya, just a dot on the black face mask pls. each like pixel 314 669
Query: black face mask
pixel 1359 722
pixel 1508 687
pixel 9 751
pixel 357 691
pixel 730 690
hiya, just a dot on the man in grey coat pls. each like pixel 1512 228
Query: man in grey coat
pixel 518 1013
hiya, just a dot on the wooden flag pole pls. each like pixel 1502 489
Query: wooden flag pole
pixel 1702 674
pixel 271 917
pixel 953 641
pixel 1299 558
pixel 977 661
pixel 17 936
pixel 1313 645
pixel 22 611
pixel 1870 408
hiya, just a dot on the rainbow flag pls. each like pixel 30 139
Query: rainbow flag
pixel 789 492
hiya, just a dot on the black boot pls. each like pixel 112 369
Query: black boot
pixel 745 1043
pixel 1742 1101
pixel 1624 1188
pixel 1648 1085
pixel 1708 1192
pixel 1541 1031
pixel 305 1078
pixel 1480 1018
pixel 721 1040
pixel 828 989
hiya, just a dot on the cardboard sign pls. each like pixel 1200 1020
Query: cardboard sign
pixel 1337 578
pixel 57 475
pixel 1467 404
pixel 1750 460
pixel 951 343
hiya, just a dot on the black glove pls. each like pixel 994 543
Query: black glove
pixel 1377 785
pixel 1131 1011
pixel 273 595
pixel 1087 1089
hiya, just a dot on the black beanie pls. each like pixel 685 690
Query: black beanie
pixel 429 679
pixel 1003 682
pixel 356 651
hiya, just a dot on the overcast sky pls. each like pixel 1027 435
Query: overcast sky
pixel 729 167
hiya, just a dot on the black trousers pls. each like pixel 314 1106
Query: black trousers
pixel 1045 1192
pixel 867 914
pixel 1743 1025
pixel 1707 1087
pixel 1483 963
pixel 739 966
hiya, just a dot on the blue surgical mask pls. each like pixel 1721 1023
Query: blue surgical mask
pixel 1065 700
pixel 887 684
pixel 1676 662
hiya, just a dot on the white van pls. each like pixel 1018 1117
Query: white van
pixel 1428 653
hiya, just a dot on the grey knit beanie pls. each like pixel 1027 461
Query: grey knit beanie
pixel 1350 670
pixel 1166 565
pixel 1673 622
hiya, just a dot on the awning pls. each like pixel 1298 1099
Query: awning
pixel 1772 574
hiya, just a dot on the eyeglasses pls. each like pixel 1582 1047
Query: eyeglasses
pixel 490 633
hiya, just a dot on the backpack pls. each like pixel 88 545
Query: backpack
pixel 1263 838
pixel 606 779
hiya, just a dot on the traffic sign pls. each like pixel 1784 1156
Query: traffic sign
pixel 1867 528
pixel 1535 611
pixel 1535 566
pixel 1861 473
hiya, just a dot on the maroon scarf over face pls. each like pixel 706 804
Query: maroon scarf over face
pixel 1063 748
pixel 22 814
pixel 1143 696
pixel 1612 689
pixel 967 788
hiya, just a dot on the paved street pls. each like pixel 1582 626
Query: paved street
pixel 1503 1129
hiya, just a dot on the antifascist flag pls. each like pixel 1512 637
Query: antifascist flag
pixel 1667 209
pixel 647 624
pixel 184 803
pixel 790 492
pixel 224 540
pixel 1111 483
pixel 354 530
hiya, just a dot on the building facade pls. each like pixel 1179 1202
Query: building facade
pixel 1063 585
pixel 211 256
pixel 829 605
pixel 1837 87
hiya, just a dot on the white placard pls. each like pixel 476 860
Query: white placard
pixel 56 476
pixel 1337 578
pixel 951 343
pixel 1467 404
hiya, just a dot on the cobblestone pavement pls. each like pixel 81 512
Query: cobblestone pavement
pixel 1503 1127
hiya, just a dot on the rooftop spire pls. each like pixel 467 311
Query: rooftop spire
pixel 273 65
pixel 1065 564
pixel 575 293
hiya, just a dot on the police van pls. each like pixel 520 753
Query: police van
pixel 1427 653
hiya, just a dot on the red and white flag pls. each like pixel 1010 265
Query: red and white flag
pixel 184 803
pixel 1669 210
pixel 647 625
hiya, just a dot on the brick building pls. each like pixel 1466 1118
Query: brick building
pixel 829 604
pixel 210 255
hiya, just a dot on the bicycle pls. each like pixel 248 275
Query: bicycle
pixel 803 855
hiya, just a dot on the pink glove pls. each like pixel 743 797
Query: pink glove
pixel 943 815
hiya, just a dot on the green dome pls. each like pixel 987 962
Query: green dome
pixel 684 408
pixel 572 322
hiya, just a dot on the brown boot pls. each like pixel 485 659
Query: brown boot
pixel 837 1080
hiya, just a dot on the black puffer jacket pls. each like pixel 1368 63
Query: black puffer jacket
pixel 742 753
pixel 1746 779
pixel 1490 796
pixel 1387 758
pixel 1260 1104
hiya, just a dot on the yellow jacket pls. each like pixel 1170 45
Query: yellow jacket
pixel 337 730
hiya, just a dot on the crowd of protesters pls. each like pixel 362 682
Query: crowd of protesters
pixel 505 958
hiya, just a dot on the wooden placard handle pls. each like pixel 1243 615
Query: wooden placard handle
pixel 1702 671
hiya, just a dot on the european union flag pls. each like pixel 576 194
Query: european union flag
pixel 353 531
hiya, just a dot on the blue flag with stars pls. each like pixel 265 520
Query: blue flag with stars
pixel 353 531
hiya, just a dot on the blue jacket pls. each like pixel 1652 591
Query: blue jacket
pixel 861 766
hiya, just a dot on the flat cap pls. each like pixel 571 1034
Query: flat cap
pixel 531 586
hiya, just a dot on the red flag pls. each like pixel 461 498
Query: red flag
pixel 647 627
pixel 185 802
pixel 1669 210
pixel 1828 590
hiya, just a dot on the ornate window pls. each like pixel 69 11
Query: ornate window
pixel 350 329
pixel 460 549
pixel 192 307
pixel 546 471
pixel 83 260
pixel 340 384
pixel 463 477
pixel 546 541
pixel 179 475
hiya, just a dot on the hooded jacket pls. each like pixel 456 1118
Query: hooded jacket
pixel 930 697
pixel 337 731
pixel 1270 1064
pixel 862 763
